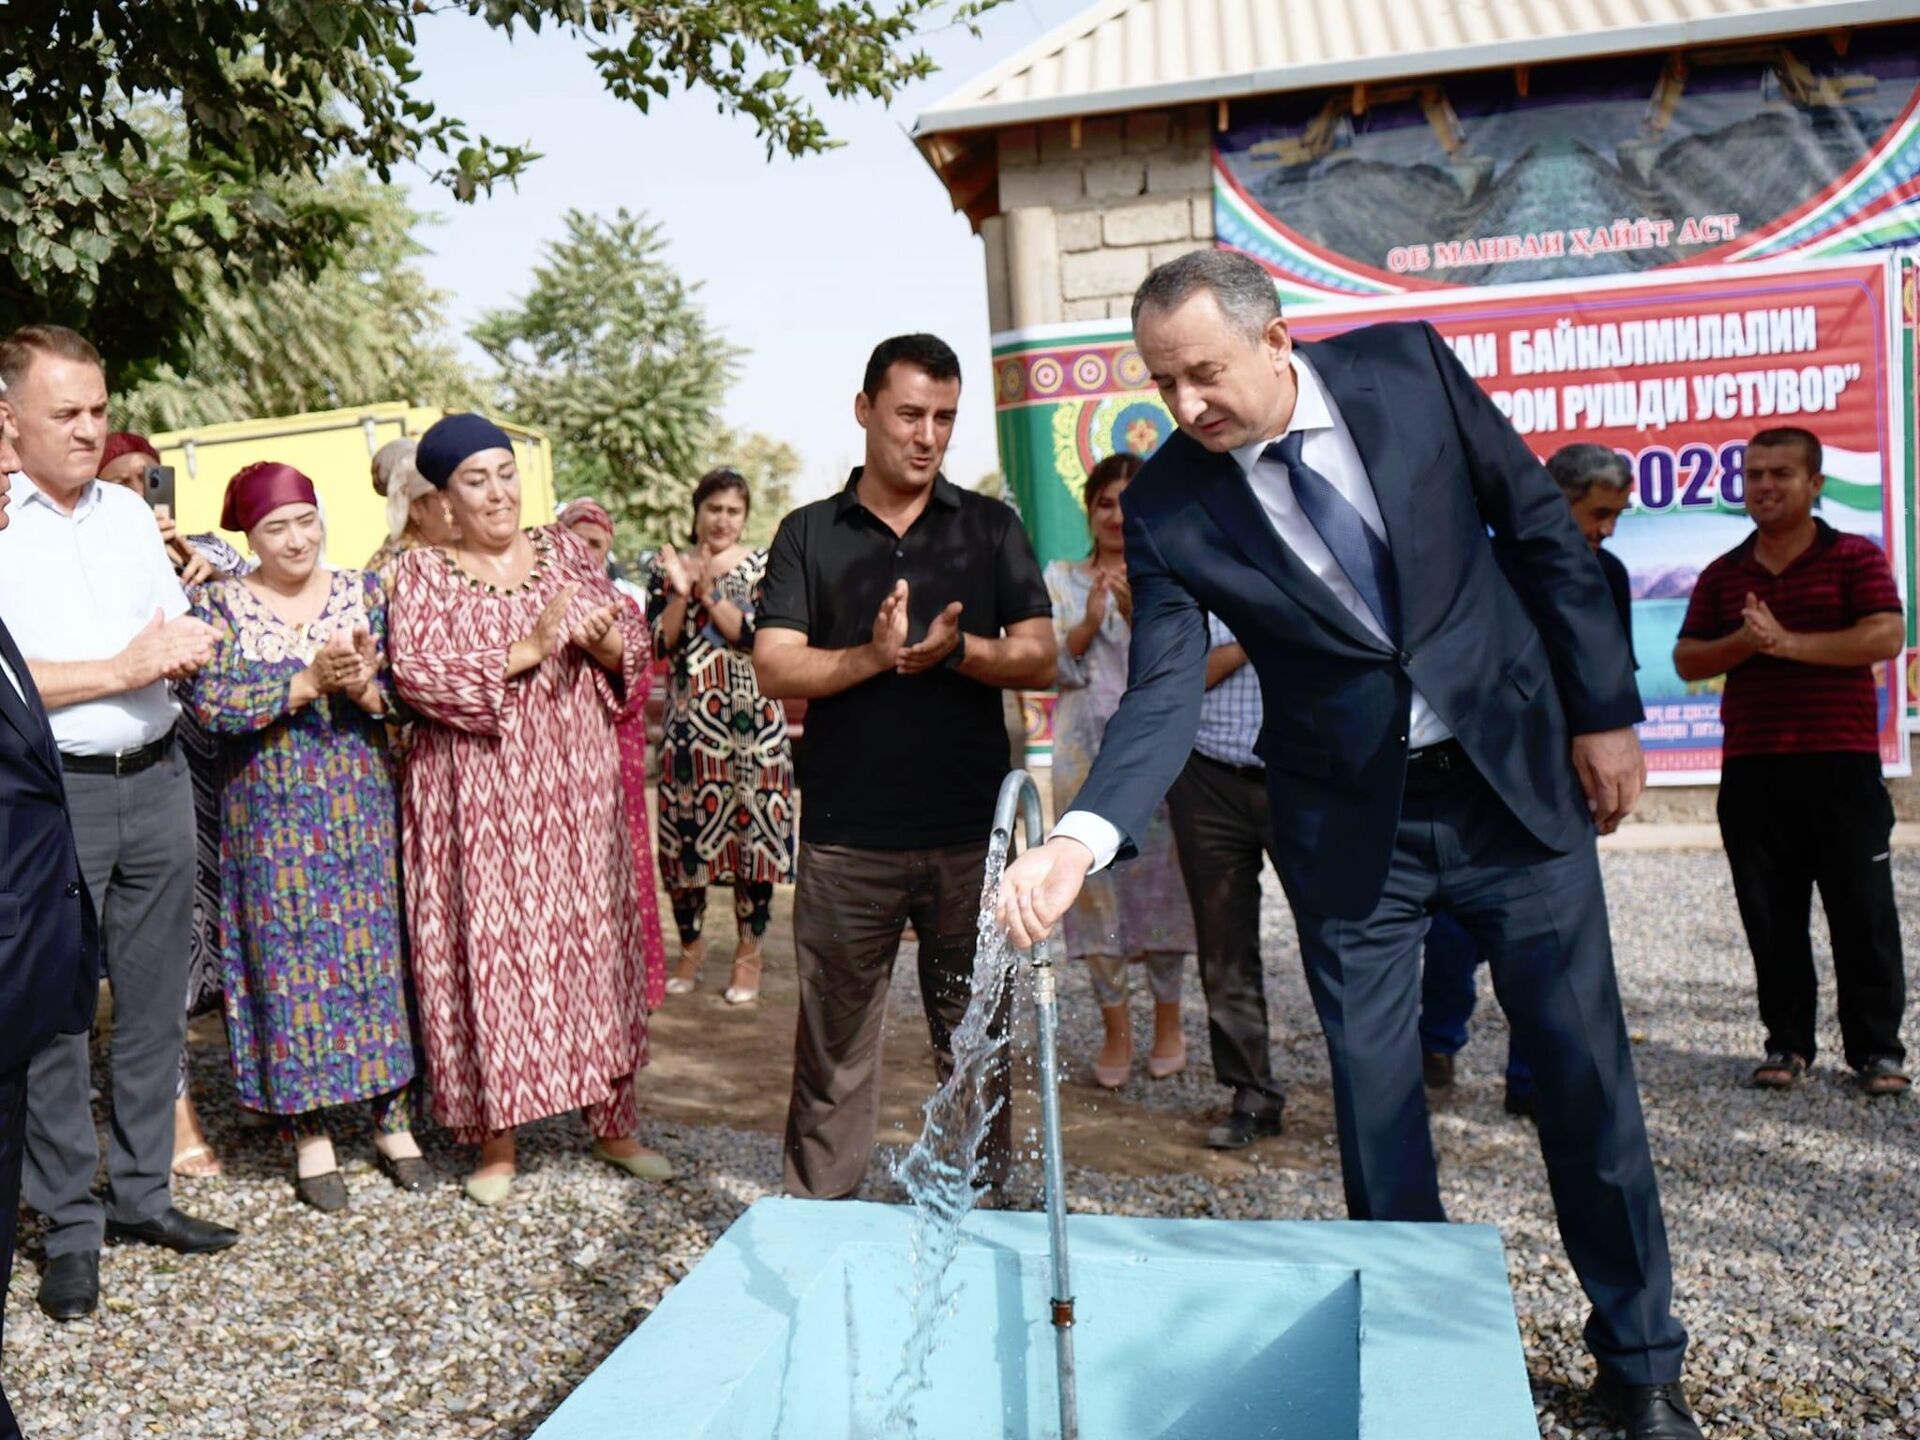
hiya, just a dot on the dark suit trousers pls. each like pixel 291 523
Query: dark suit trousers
pixel 13 1139
pixel 1223 834
pixel 135 837
pixel 850 908
pixel 1542 920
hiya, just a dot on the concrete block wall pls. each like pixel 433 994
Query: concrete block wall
pixel 1086 212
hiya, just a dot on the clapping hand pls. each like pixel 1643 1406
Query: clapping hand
pixel 1121 589
pixel 597 633
pixel 890 627
pixel 167 650
pixel 550 627
pixel 1766 634
pixel 339 668
pixel 1097 599
pixel 683 574
pixel 940 639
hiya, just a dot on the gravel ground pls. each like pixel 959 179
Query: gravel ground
pixel 1794 1222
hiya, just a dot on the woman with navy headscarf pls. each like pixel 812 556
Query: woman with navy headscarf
pixel 528 938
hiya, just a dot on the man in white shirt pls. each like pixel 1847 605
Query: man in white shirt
pixel 93 604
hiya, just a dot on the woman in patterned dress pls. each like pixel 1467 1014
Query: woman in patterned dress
pixel 315 993
pixel 528 927
pixel 726 769
pixel 590 523
pixel 1139 912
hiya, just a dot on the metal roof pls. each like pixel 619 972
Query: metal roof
pixel 1134 54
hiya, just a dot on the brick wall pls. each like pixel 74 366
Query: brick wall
pixel 1086 212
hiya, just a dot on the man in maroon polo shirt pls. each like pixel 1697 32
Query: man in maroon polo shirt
pixel 1796 616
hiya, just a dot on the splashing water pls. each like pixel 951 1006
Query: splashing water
pixel 941 1173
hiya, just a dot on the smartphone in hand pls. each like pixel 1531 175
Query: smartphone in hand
pixel 159 487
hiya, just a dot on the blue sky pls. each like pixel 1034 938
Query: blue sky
pixel 805 263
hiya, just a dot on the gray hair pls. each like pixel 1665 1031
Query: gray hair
pixel 1238 282
pixel 388 458
pixel 1577 468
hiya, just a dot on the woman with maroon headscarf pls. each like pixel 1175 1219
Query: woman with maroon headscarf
pixel 316 998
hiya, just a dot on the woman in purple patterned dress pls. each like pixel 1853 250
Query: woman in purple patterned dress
pixel 316 1000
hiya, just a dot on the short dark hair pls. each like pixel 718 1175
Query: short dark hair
pixel 713 483
pixel 18 350
pixel 1242 286
pixel 1808 442
pixel 924 352
pixel 1577 468
pixel 1121 465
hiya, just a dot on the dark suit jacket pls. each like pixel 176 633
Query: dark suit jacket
pixel 1515 659
pixel 49 945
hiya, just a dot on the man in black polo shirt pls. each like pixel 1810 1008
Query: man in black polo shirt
pixel 900 608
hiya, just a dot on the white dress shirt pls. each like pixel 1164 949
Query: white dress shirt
pixel 12 679
pixel 79 587
pixel 1327 447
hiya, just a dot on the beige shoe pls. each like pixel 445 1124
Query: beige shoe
pixel 489 1190
pixel 1169 1054
pixel 644 1166
pixel 686 975
pixel 743 986
pixel 1111 1075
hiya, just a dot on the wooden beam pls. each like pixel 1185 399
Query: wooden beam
pixel 1220 116
pixel 1840 40
pixel 1073 133
pixel 1522 78
pixel 1359 105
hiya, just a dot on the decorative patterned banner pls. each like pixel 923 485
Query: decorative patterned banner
pixel 1805 147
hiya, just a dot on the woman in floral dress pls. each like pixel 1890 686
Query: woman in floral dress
pixel 529 931
pixel 1139 911
pixel 726 769
pixel 316 999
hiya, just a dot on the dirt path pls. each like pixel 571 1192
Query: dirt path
pixel 715 1063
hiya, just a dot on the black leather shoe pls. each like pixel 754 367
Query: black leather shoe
pixel 1519 1102
pixel 70 1285
pixel 1648 1412
pixel 1436 1070
pixel 177 1231
pixel 1242 1128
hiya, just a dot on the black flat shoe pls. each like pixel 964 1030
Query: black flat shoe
pixel 1241 1128
pixel 411 1173
pixel 70 1285
pixel 1436 1070
pixel 326 1193
pixel 1648 1412
pixel 176 1230
pixel 1518 1102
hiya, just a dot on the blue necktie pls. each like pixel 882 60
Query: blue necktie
pixel 1360 554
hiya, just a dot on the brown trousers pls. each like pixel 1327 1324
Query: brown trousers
pixel 850 908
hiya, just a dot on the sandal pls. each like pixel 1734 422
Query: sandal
pixel 1781 1070
pixel 743 986
pixel 686 975
pixel 196 1162
pixel 1884 1075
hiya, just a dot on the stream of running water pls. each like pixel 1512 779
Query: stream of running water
pixel 942 1172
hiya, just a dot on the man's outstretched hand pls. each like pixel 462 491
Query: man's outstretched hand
pixel 1038 887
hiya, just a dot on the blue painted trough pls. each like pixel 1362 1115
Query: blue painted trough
pixel 791 1329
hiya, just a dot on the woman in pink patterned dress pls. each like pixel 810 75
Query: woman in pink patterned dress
pixel 592 526
pixel 528 926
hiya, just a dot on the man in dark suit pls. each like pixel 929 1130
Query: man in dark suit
pixel 1442 732
pixel 48 968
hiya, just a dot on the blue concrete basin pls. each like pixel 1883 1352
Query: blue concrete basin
pixel 791 1329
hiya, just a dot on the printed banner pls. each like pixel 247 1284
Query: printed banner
pixel 1805 147
pixel 1675 373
